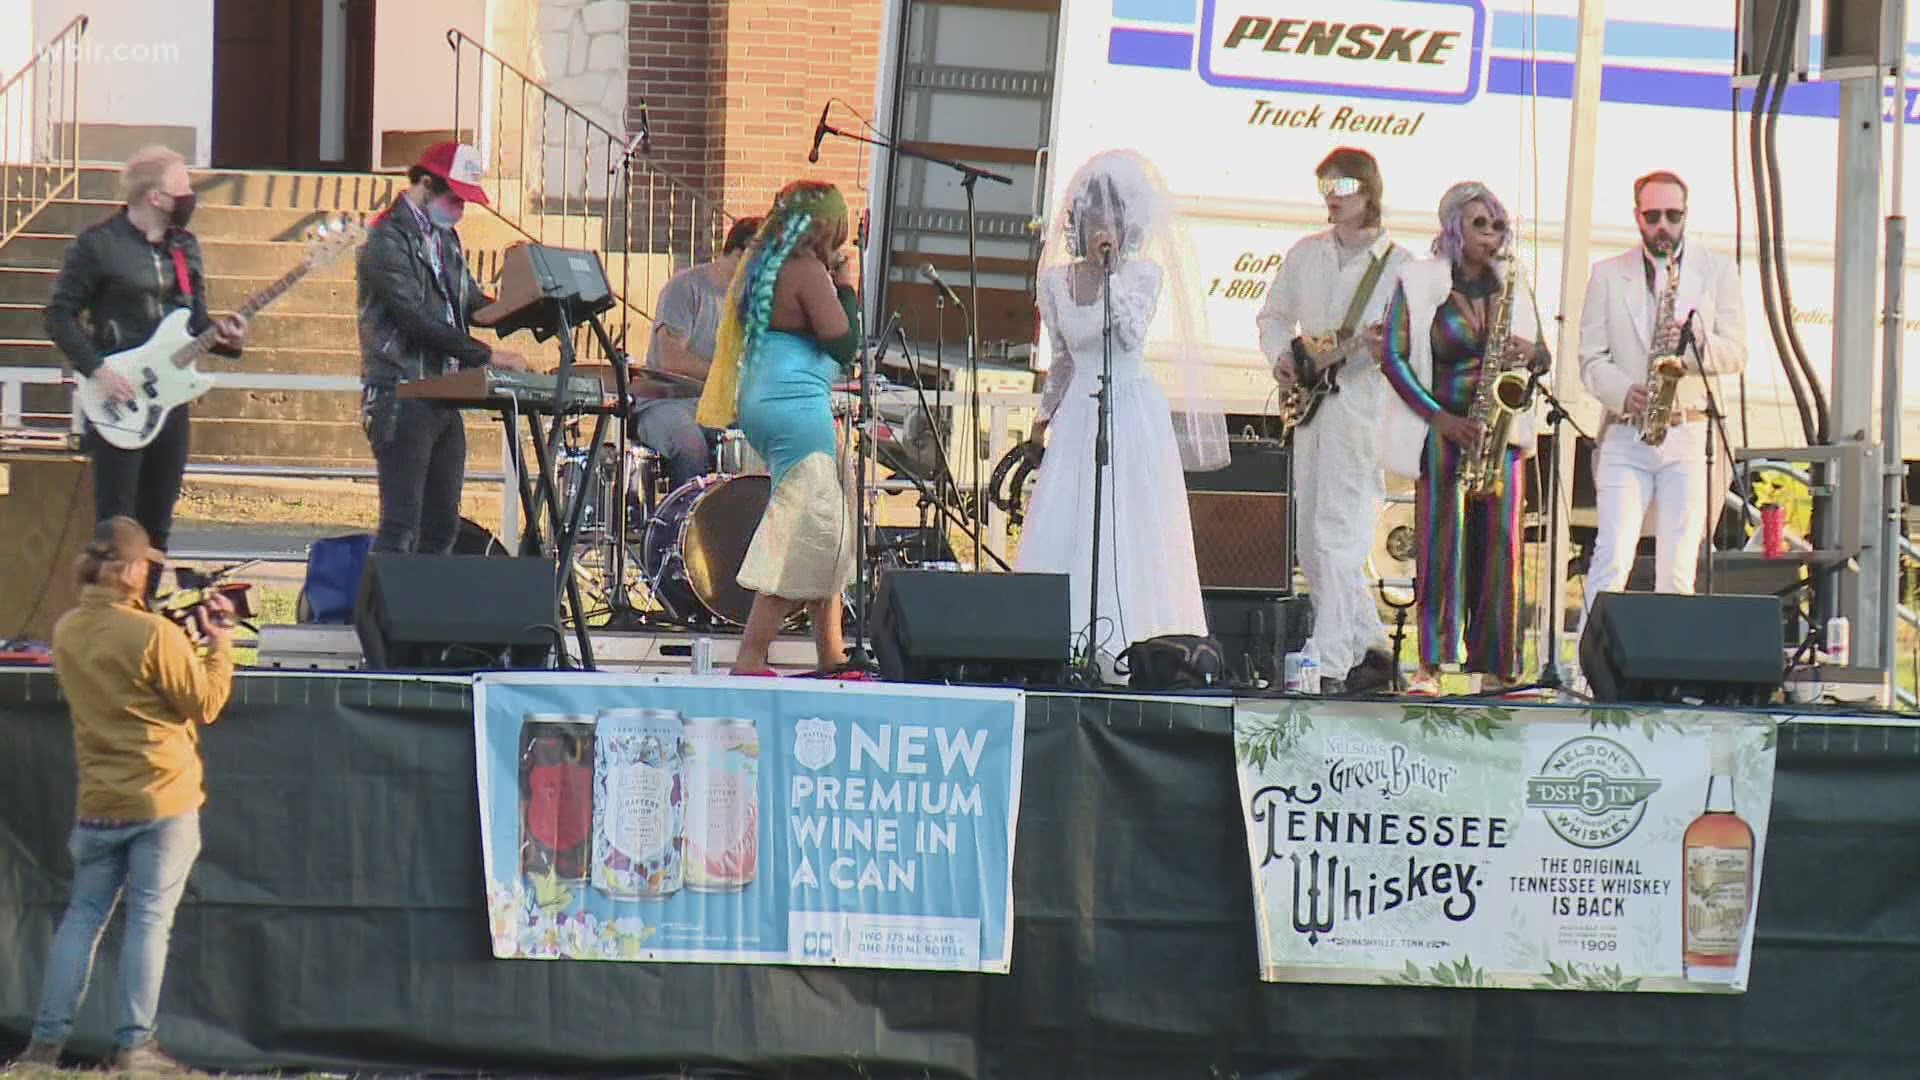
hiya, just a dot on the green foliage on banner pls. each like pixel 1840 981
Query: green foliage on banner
pixel 1569 976
pixel 1260 738
pixel 1476 721
pixel 1651 722
pixel 1460 973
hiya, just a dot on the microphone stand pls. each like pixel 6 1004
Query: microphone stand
pixel 1558 419
pixel 858 659
pixel 1088 661
pixel 939 410
pixel 621 615
pixel 1716 429
pixel 969 177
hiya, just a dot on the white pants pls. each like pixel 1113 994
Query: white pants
pixel 1337 497
pixel 1670 480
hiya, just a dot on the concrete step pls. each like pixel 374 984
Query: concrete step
pixel 33 285
pixel 318 442
pixel 67 218
pixel 236 257
pixel 275 329
pixel 271 190
pixel 344 361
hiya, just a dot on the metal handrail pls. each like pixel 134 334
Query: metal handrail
pixel 570 168
pixel 33 175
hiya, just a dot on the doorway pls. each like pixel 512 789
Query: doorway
pixel 293 85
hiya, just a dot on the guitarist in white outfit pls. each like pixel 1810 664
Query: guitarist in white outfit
pixel 125 275
pixel 1337 282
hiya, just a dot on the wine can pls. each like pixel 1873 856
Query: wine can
pixel 556 795
pixel 723 803
pixel 639 788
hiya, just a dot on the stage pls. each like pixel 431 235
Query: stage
pixel 337 920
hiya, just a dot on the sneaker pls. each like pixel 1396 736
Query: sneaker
pixel 37 1054
pixel 148 1060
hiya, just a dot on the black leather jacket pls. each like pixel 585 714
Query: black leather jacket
pixel 124 285
pixel 404 332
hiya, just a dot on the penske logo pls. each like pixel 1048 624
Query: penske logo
pixel 1419 50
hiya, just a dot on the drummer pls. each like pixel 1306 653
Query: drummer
pixel 684 323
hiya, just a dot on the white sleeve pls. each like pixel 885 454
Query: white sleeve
pixel 1725 347
pixel 1279 318
pixel 1136 297
pixel 1604 379
pixel 1060 367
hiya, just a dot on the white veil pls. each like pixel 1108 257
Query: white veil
pixel 1126 185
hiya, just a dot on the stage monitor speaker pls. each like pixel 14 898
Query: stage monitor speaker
pixel 1664 648
pixel 1256 632
pixel 1242 537
pixel 46 516
pixel 456 613
pixel 944 626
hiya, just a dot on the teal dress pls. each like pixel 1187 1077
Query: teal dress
pixel 803 549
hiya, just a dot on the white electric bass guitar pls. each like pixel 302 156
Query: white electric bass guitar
pixel 163 371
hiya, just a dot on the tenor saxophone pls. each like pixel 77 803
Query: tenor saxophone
pixel 1665 366
pixel 1498 402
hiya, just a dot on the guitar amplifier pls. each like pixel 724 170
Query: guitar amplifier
pixel 46 514
pixel 1242 529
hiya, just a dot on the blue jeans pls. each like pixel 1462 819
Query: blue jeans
pixel 668 428
pixel 149 862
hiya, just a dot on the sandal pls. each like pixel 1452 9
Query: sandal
pixel 1423 684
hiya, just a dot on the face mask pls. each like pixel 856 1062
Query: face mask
pixel 445 213
pixel 182 211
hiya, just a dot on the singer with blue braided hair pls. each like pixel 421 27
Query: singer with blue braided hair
pixel 790 328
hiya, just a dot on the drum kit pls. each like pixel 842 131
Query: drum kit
pixel 687 543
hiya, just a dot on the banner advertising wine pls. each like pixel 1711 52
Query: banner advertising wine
pixel 1521 848
pixel 633 817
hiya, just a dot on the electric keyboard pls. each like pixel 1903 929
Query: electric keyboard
pixel 494 388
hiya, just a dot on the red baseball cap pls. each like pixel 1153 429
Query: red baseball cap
pixel 459 165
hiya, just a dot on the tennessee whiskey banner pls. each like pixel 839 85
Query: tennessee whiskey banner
pixel 1540 848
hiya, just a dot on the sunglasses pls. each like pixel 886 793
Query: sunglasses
pixel 1339 185
pixel 1484 222
pixel 1652 217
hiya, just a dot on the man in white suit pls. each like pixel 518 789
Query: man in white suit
pixel 1617 332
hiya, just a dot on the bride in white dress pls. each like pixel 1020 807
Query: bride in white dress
pixel 1118 215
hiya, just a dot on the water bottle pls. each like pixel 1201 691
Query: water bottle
pixel 1839 641
pixel 1310 669
pixel 1291 668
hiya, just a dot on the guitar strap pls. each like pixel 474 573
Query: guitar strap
pixel 180 275
pixel 1358 305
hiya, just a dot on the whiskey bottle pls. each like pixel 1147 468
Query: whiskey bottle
pixel 1716 876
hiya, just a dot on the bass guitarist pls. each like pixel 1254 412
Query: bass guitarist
pixel 1323 312
pixel 125 275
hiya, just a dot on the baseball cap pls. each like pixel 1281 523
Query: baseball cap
pixel 123 540
pixel 459 165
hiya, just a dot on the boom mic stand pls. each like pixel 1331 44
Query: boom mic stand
pixel 1716 432
pixel 1088 661
pixel 969 177
pixel 1558 418
pixel 864 417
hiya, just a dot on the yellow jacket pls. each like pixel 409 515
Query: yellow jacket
pixel 138 693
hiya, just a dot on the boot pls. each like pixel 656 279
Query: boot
pixel 1373 674
pixel 38 1052
pixel 148 1060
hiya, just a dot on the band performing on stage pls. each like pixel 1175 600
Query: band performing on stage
pixel 1424 371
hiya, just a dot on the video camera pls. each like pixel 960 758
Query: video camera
pixel 186 605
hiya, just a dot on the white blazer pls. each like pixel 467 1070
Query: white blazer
pixel 1428 284
pixel 1616 325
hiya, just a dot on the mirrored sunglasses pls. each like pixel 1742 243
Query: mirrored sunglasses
pixel 1339 185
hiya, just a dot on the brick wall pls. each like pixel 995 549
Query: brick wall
pixel 734 88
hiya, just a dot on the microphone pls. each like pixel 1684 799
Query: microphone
pixel 819 135
pixel 927 271
pixel 646 131
pixel 1106 254
pixel 860 236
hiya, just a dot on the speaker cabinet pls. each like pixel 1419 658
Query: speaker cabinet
pixel 943 626
pixel 46 515
pixel 1242 532
pixel 1256 631
pixel 456 612
pixel 1662 648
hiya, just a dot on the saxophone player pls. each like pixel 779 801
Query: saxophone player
pixel 1651 452
pixel 1444 343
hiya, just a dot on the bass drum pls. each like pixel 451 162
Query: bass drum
pixel 696 543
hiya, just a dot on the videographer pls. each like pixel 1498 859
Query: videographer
pixel 139 692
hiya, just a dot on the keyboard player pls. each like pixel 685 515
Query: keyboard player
pixel 417 303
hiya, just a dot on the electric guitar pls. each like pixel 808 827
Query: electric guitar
pixel 1316 380
pixel 163 371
